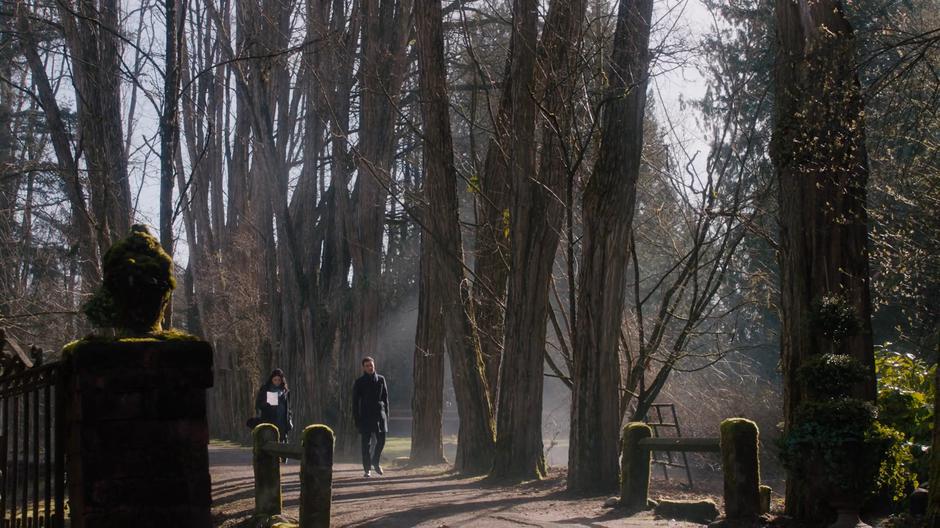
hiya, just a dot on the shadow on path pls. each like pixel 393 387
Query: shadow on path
pixel 413 497
pixel 415 516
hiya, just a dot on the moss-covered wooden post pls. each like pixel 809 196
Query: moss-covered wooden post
pixel 739 458
pixel 635 467
pixel 766 494
pixel 316 477
pixel 267 472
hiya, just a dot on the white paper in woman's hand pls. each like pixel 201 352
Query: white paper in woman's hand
pixel 272 398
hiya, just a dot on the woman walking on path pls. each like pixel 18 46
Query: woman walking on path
pixel 273 403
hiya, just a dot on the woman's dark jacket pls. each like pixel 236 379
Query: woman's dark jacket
pixel 370 404
pixel 279 414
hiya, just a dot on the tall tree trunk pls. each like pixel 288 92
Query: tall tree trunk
pixel 818 150
pixel 384 34
pixel 491 244
pixel 91 31
pixel 444 267
pixel 535 222
pixel 332 338
pixel 169 134
pixel 608 203
pixel 427 400
pixel 304 210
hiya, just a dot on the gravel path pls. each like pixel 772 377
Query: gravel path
pixel 425 498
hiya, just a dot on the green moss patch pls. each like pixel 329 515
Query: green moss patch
pixel 136 285
pixel 162 336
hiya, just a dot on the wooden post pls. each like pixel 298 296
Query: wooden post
pixel 739 458
pixel 766 494
pixel 267 472
pixel 316 477
pixel 635 467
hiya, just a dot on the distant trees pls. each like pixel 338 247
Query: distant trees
pixel 94 169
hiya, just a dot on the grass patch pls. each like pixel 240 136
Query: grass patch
pixel 216 442
pixel 400 446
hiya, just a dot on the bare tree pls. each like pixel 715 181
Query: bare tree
pixel 170 130
pixel 608 205
pixel 535 215
pixel 445 319
pixel 92 31
pixel 82 223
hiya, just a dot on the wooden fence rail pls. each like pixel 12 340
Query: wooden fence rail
pixel 744 497
pixel 684 444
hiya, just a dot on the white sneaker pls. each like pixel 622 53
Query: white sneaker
pixel 367 474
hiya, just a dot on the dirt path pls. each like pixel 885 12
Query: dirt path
pixel 423 498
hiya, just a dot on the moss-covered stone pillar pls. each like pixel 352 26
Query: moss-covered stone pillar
pixel 137 435
pixel 635 467
pixel 135 405
pixel 316 477
pixel 741 466
pixel 267 472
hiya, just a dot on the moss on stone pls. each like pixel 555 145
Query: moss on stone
pixel 740 462
pixel 71 346
pixel 315 430
pixel 162 336
pixel 635 467
pixel 272 521
pixel 136 285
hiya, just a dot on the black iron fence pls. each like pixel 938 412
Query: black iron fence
pixel 32 439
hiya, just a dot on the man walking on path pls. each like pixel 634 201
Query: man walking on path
pixel 370 409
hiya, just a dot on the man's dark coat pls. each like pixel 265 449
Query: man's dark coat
pixel 370 404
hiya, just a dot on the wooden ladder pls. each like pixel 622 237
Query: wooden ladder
pixel 660 424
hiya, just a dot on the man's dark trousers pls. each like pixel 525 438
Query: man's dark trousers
pixel 370 457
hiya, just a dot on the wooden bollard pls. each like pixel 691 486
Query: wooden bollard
pixel 635 467
pixel 316 477
pixel 739 459
pixel 766 494
pixel 267 471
